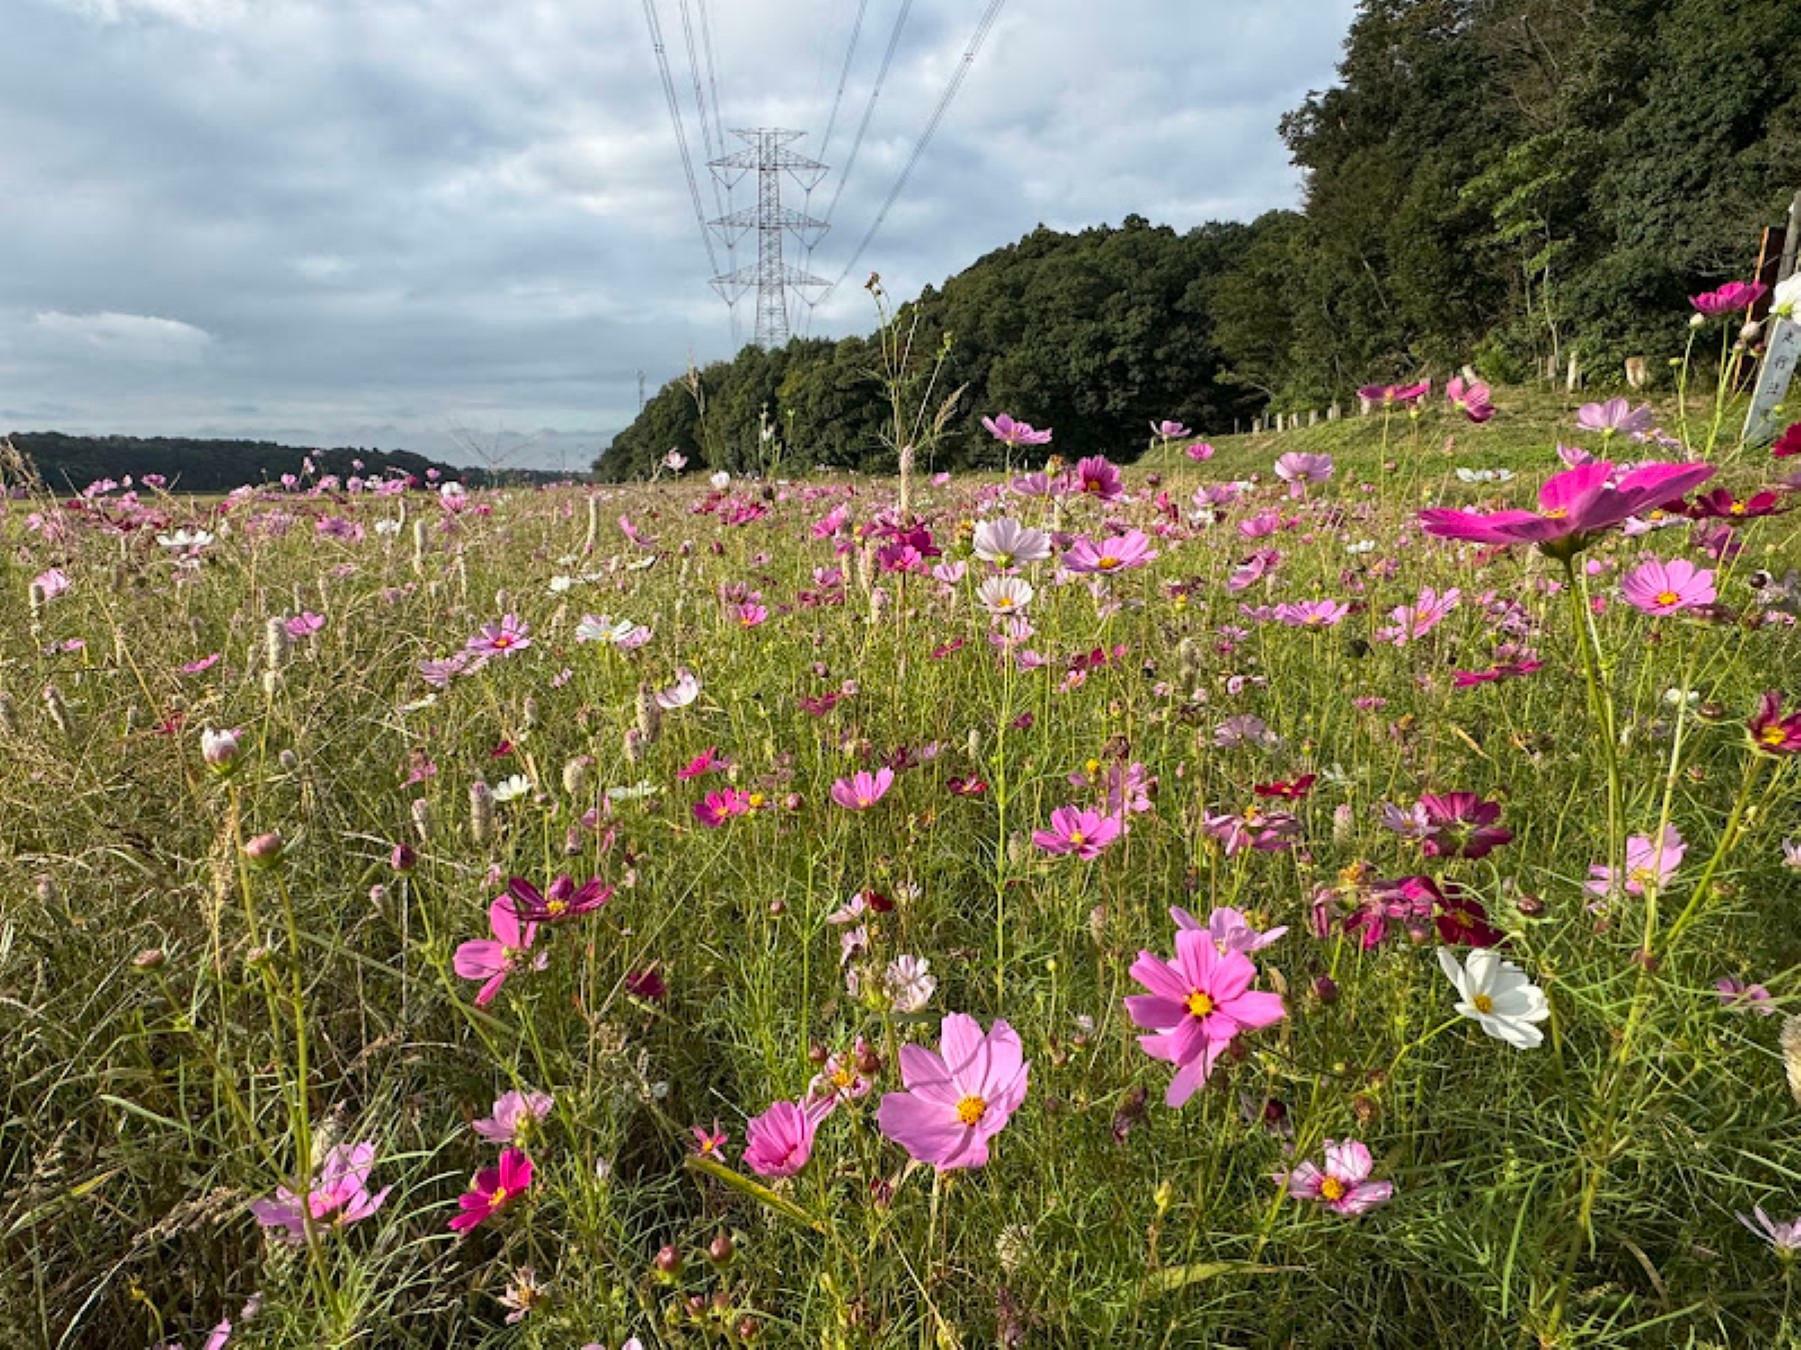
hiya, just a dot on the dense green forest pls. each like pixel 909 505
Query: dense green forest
pixel 69 463
pixel 1502 182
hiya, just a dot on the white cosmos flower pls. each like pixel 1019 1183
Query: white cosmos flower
pixel 1497 994
pixel 387 525
pixel 603 628
pixel 511 789
pixel 721 480
pixel 185 538
pixel 1006 543
pixel 1002 596
pixel 680 694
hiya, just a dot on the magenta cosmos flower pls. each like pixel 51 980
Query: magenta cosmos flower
pixel 779 1142
pixel 863 789
pixel 564 901
pixel 1003 428
pixel 339 1196
pixel 1076 830
pixel 515 1117
pixel 1771 732
pixel 1197 1006
pixel 1460 825
pixel 716 808
pixel 510 635
pixel 1472 398
pixel 958 1098
pixel 1664 587
pixel 492 960
pixel 1096 476
pixel 1574 506
pixel 492 1189
pixel 1729 299
pixel 1343 1184
pixel 1116 553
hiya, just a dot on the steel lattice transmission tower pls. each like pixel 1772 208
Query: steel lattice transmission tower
pixel 766 154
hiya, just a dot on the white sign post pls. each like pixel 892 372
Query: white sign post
pixel 1780 359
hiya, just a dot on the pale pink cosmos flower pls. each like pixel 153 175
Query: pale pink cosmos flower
pixel 1230 930
pixel 1010 432
pixel 1197 1005
pixel 1168 430
pixel 1004 596
pixel 957 1098
pixel 340 1195
pixel 1659 587
pixel 1075 830
pixel 1615 417
pixel 1312 613
pixel 1784 1237
pixel 1343 1185
pixel 1299 470
pixel 909 984
pixel 515 1117
pixel 863 789
pixel 1007 543
pixel 1648 865
pixel 510 635
pixel 1116 553
pixel 1409 622
pixel 779 1142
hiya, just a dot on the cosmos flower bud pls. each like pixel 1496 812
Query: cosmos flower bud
pixel 720 1250
pixel 220 749
pixel 668 1262
pixel 1325 989
pixel 151 958
pixel 264 849
pixel 403 858
pixel 289 761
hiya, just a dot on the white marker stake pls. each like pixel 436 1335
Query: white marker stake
pixel 1772 385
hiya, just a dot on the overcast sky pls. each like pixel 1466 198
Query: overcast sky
pixel 407 222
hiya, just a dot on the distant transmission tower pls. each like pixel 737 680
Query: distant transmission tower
pixel 766 153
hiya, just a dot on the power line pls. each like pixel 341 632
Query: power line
pixel 925 137
pixel 681 135
pixel 711 146
pixel 875 92
pixel 831 123
pixel 731 248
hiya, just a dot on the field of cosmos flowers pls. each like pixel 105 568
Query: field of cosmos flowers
pixel 1254 898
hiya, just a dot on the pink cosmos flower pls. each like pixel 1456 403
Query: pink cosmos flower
pixel 1784 1237
pixel 514 1118
pixel 1198 1004
pixel 564 901
pixel 510 635
pixel 1729 299
pixel 492 960
pixel 863 789
pixel 1741 997
pixel 1773 733
pixel 1096 476
pixel 1615 417
pixel 51 583
pixel 779 1142
pixel 1656 587
pixel 1230 930
pixel 1116 553
pixel 958 1098
pixel 1253 828
pixel 1421 617
pixel 339 1196
pixel 1312 613
pixel 748 615
pixel 1574 506
pixel 304 624
pixel 701 765
pixel 1471 398
pixel 492 1190
pixel 1200 451
pixel 1075 830
pixel 1168 430
pixel 1343 1184
pixel 1004 429
pixel 1299 470
pixel 1648 865
pixel 718 807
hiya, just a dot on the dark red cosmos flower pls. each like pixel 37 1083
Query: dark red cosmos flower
pixel 564 901
pixel 1722 505
pixel 967 787
pixel 821 704
pixel 1788 443
pixel 1293 790
pixel 1460 918
pixel 950 648
pixel 1461 825
pixel 1771 732
pixel 647 984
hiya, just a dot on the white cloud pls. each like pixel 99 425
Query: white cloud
pixel 126 337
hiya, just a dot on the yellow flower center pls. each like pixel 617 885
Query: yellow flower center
pixel 841 1076
pixel 1199 1004
pixel 1773 734
pixel 1331 1188
pixel 498 1197
pixel 756 801
pixel 1557 513
pixel 1483 1003
pixel 1642 876
pixel 1667 598
pixel 556 907
pixel 1077 837
pixel 1107 563
pixel 1004 602
pixel 971 1110
pixel 503 641
pixel 1737 508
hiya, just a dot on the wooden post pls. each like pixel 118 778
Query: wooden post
pixel 1638 372
pixel 1574 377
pixel 1313 417
pixel 1333 413
pixel 1791 240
